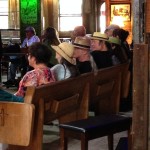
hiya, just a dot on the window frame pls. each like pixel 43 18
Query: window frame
pixel 4 13
pixel 67 32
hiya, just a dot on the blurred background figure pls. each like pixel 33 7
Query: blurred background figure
pixel 123 35
pixel 78 31
pixel 49 38
pixel 31 37
pixel 21 62
pixel 118 54
pixel 109 30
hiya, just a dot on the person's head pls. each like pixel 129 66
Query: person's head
pixel 121 34
pixel 98 41
pixel 117 49
pixel 38 54
pixel 30 31
pixel 78 31
pixel 64 51
pixel 109 30
pixel 81 48
pixel 51 35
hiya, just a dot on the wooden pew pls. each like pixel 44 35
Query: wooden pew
pixel 65 100
pixel 68 100
pixel 105 89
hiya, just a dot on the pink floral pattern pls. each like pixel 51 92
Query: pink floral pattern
pixel 35 77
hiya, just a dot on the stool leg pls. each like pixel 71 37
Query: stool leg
pixel 84 142
pixel 63 140
pixel 110 142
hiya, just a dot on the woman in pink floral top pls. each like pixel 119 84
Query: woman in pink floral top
pixel 39 56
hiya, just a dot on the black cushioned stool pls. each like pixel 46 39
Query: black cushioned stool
pixel 92 128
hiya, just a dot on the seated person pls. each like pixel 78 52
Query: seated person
pixel 109 30
pixel 50 37
pixel 31 37
pixel 123 35
pixel 101 50
pixel 67 65
pixel 15 61
pixel 39 56
pixel 82 54
pixel 118 54
pixel 78 31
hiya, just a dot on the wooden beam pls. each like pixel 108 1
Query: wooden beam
pixel 140 96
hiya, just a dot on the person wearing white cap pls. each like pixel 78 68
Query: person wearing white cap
pixel 67 64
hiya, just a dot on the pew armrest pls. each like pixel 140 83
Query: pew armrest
pixel 16 123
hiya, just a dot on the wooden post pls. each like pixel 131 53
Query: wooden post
pixel 140 97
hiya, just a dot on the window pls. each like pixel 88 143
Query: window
pixel 4 14
pixel 70 14
pixel 9 14
pixel 102 18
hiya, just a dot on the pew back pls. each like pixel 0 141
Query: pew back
pixel 106 88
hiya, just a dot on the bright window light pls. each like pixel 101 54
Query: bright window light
pixel 4 14
pixel 70 15
pixel 4 23
pixel 70 7
pixel 102 18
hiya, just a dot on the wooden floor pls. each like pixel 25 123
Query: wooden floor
pixel 51 139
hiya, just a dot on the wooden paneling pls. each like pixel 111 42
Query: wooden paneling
pixel 147 11
pixel 140 97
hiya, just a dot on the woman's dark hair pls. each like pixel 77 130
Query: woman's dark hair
pixel 40 52
pixel 121 33
pixel 108 45
pixel 51 35
pixel 74 71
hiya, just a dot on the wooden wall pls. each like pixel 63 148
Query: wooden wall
pixel 140 117
pixel 147 16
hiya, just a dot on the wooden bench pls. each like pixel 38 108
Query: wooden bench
pixel 68 100
pixel 65 100
pixel 92 128
pixel 105 89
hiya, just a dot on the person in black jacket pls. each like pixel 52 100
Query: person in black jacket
pixel 101 50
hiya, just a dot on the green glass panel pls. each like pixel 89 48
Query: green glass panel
pixel 28 11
